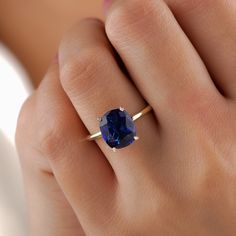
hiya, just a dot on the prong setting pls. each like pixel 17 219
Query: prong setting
pixel 99 119
pixel 114 149
pixel 122 108
pixel 136 138
pixel 117 128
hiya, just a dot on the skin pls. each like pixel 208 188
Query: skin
pixel 26 28
pixel 179 178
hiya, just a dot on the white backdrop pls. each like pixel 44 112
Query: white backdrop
pixel 14 89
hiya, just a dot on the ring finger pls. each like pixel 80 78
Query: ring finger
pixel 95 84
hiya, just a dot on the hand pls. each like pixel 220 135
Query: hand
pixel 179 178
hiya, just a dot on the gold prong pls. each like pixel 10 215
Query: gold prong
pixel 99 118
pixel 114 149
pixel 136 138
pixel 122 108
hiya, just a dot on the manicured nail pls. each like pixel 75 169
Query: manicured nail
pixel 106 5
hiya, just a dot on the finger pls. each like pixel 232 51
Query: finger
pixel 49 212
pixel 55 132
pixel 95 84
pixel 161 60
pixel 211 25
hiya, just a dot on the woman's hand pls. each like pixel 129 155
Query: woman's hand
pixel 180 177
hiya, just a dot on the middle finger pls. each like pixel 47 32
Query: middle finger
pixel 161 60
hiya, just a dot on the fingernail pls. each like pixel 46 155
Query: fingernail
pixel 106 5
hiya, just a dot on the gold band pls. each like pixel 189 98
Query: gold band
pixel 134 118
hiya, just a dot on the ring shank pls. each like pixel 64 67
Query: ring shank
pixel 134 118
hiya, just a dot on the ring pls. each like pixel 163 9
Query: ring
pixel 117 128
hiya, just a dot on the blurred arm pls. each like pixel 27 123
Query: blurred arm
pixel 33 29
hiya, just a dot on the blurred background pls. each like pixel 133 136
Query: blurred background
pixel 32 31
pixel 14 88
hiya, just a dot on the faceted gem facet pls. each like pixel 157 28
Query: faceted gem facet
pixel 118 128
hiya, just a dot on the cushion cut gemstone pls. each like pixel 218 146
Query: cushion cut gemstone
pixel 118 128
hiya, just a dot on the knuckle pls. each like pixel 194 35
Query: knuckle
pixel 24 120
pixel 130 17
pixel 79 74
pixel 25 136
pixel 51 136
pixel 39 131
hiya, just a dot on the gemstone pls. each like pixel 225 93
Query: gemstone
pixel 118 128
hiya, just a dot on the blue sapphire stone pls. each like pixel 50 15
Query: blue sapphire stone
pixel 117 128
